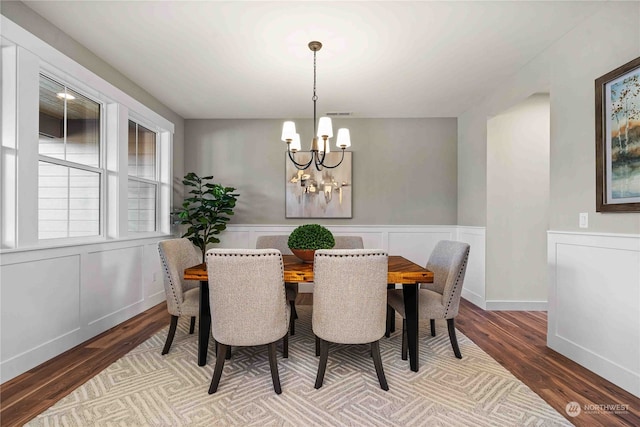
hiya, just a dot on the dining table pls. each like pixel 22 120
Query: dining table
pixel 400 271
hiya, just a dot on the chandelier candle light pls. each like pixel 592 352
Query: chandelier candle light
pixel 319 149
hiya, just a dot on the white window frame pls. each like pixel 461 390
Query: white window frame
pixel 100 170
pixel 24 57
pixel 156 183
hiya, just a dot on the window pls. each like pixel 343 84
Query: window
pixel 69 173
pixel 143 179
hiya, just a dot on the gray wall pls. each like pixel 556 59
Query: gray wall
pixel 43 29
pixel 517 159
pixel 567 70
pixel 404 170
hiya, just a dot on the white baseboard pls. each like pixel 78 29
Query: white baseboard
pixel 474 298
pixel 497 305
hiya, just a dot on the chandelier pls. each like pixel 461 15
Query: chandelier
pixel 323 130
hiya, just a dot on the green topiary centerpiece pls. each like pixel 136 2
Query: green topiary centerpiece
pixel 305 239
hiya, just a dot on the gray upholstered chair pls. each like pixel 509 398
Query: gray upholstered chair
pixel 348 242
pixel 182 295
pixel 243 314
pixel 440 299
pixel 350 302
pixel 280 242
pixel 343 242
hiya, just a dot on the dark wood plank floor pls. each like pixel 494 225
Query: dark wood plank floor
pixel 517 340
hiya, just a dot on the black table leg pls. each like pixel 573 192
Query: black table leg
pixel 391 315
pixel 410 293
pixel 204 323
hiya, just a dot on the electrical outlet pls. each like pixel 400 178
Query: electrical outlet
pixel 584 220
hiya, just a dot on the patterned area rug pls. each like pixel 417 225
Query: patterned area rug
pixel 144 388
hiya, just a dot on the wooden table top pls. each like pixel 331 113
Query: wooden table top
pixel 401 270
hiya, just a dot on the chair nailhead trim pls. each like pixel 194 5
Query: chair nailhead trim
pixel 168 276
pixel 462 268
pixel 350 255
pixel 228 254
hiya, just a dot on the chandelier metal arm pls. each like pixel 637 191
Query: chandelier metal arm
pixel 320 161
pixel 300 166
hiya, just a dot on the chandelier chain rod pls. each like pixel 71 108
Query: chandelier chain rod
pixel 315 97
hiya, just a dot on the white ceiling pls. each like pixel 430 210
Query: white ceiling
pixel 380 59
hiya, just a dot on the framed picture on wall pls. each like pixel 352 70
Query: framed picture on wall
pixel 618 139
pixel 311 193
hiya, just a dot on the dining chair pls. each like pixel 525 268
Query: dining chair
pixel 243 314
pixel 440 299
pixel 348 242
pixel 343 242
pixel 280 242
pixel 350 302
pixel 182 295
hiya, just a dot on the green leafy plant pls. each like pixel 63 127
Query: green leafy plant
pixel 207 210
pixel 311 236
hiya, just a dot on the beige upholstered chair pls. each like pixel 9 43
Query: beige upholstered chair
pixel 242 313
pixel 343 242
pixel 182 295
pixel 440 299
pixel 350 302
pixel 348 242
pixel 280 242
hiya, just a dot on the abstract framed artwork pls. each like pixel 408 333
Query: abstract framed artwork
pixel 318 194
pixel 618 139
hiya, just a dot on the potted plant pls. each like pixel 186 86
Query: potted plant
pixel 305 239
pixel 207 211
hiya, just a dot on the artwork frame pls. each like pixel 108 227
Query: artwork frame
pixel 325 194
pixel 617 108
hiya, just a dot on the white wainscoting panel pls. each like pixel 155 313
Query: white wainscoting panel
pixel 414 242
pixel 40 309
pixel 152 275
pixel 53 299
pixel 594 303
pixel 416 245
pixel 120 286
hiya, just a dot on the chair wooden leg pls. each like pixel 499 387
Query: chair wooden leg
pixel 404 339
pixel 227 355
pixel 292 318
pixel 217 371
pixel 273 364
pixel 170 335
pixel 452 337
pixel 322 365
pixel 285 346
pixel 377 361
pixel 317 346
pixel 432 323
pixel 192 326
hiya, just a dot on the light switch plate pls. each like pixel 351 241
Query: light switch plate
pixel 584 220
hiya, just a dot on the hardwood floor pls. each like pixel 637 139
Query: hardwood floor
pixel 517 340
